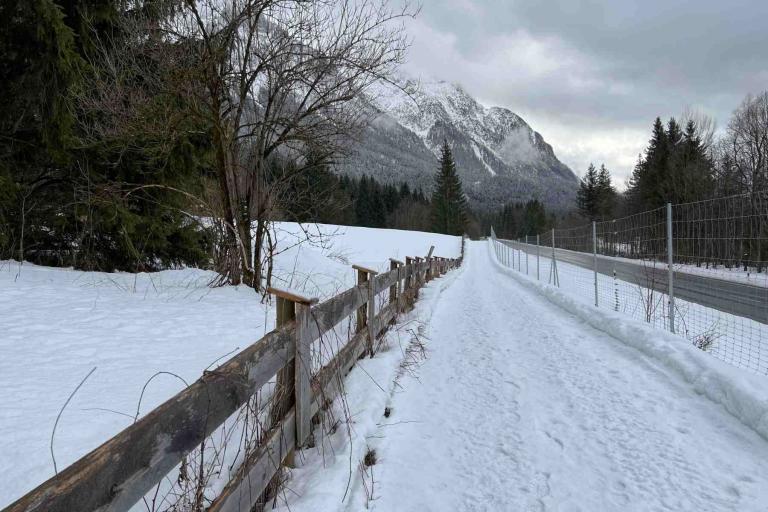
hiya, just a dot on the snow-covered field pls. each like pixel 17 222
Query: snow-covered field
pixel 528 399
pixel 58 324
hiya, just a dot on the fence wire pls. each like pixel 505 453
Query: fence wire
pixel 716 294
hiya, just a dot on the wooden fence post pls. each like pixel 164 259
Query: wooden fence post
pixel 293 381
pixel 394 290
pixel 430 264
pixel 283 396
pixel 419 270
pixel 409 280
pixel 366 315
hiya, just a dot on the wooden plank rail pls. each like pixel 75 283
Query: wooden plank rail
pixel 117 474
pixel 121 471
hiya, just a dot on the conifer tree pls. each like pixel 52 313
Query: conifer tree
pixel 644 186
pixel 506 223
pixel 606 194
pixel 676 168
pixel 534 218
pixel 587 196
pixel 449 206
pixel 363 203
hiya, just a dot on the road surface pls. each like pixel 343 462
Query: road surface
pixel 739 299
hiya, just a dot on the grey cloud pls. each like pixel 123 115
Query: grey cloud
pixel 591 67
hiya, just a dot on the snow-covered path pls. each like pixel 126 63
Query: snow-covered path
pixel 522 406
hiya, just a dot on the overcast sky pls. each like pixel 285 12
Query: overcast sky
pixel 591 75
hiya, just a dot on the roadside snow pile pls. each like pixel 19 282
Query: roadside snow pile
pixel 740 392
pixel 57 324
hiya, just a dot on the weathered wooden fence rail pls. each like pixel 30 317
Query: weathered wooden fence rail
pixel 120 472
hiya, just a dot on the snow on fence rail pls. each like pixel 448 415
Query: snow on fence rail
pixel 123 471
pixel 696 269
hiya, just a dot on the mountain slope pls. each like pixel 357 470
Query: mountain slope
pixel 500 158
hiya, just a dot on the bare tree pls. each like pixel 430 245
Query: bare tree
pixel 746 143
pixel 270 80
pixel 744 166
pixel 706 126
pixel 281 79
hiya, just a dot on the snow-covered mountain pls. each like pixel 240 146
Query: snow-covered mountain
pixel 499 157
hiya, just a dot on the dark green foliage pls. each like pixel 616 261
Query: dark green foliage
pixel 67 197
pixel 534 219
pixel 506 225
pixel 517 220
pixel 369 208
pixel 596 196
pixel 312 194
pixel 676 168
pixel 586 197
pixel 449 205
pixel 606 194
pixel 318 195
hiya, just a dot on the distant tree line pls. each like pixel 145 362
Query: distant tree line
pixel 684 162
pixel 518 220
pixel 687 164
pixel 327 198
pixel 324 197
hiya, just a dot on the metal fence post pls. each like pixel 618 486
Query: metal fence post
pixel 671 278
pixel 537 257
pixel 553 270
pixel 594 256
pixel 526 256
pixel 515 255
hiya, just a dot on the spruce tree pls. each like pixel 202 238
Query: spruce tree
pixel 363 203
pixel 506 223
pixel 587 195
pixel 645 186
pixel 449 206
pixel 606 194
pixel 676 168
pixel 100 202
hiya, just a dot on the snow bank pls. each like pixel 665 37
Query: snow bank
pixel 329 474
pixel 743 395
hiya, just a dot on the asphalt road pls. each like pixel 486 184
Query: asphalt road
pixel 740 299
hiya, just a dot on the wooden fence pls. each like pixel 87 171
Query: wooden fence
pixel 120 472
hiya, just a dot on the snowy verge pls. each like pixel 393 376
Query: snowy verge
pixel 331 475
pixel 743 395
pixel 147 335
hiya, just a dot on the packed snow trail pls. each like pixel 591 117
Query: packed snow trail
pixel 522 406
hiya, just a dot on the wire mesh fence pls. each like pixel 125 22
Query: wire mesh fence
pixel 697 269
